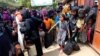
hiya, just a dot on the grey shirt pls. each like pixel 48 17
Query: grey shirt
pixel 63 26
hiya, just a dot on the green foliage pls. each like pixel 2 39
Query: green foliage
pixel 54 5
pixel 9 3
pixel 26 3
pixel 20 2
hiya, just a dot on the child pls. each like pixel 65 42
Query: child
pixel 63 31
pixel 80 25
pixel 48 22
pixel 90 30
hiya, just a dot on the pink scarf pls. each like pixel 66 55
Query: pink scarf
pixel 88 34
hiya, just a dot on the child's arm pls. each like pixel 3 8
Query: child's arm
pixel 67 26
pixel 83 27
pixel 68 31
pixel 53 26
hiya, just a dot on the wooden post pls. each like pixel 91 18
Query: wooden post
pixel 96 39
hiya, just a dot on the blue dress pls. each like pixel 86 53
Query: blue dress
pixel 62 32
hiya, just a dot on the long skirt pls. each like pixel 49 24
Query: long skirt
pixel 61 36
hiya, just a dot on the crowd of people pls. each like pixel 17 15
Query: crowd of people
pixel 23 27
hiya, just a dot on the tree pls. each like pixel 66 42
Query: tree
pixel 26 3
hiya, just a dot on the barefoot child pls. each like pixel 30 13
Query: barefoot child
pixel 62 31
